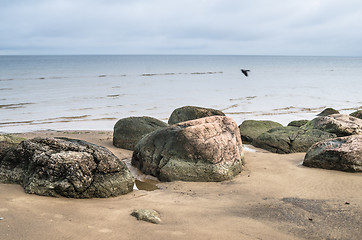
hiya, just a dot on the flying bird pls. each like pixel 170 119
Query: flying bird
pixel 245 72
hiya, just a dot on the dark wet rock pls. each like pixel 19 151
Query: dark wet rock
pixel 191 112
pixel 206 149
pixel 290 139
pixel 357 114
pixel 339 124
pixel 251 129
pixel 147 215
pixel 8 141
pixel 343 153
pixel 128 131
pixel 298 123
pixel 65 167
pixel 328 111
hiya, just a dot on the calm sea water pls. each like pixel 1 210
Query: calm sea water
pixel 93 92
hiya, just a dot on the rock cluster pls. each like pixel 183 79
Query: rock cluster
pixel 65 167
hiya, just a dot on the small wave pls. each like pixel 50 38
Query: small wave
pixel 279 111
pixel 242 98
pixel 75 117
pixel 113 95
pixel 239 113
pixel 104 118
pixel 160 74
pixel 6 79
pixel 206 72
pixel 232 106
pixel 5 89
pixel 14 105
pixel 285 108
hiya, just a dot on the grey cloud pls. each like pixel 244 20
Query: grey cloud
pixel 309 27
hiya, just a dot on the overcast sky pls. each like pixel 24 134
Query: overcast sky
pixel 252 27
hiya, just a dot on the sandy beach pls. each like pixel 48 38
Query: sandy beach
pixel 273 198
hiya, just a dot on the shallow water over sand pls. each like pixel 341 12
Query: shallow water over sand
pixel 93 92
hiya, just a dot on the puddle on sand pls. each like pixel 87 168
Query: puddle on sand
pixel 143 181
pixel 148 185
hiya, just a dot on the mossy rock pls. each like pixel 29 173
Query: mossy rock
pixel 128 131
pixel 357 114
pixel 298 123
pixel 251 129
pixel 290 139
pixel 187 113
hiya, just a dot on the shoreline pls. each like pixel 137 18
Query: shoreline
pixel 274 197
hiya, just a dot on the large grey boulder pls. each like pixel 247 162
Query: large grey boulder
pixel 65 167
pixel 290 139
pixel 343 153
pixel 187 113
pixel 251 129
pixel 206 149
pixel 339 124
pixel 128 131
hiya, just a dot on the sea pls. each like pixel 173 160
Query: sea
pixel 92 92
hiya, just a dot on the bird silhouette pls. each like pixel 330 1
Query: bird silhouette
pixel 245 72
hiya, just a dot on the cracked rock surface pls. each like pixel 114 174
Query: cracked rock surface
pixel 339 124
pixel 290 139
pixel 65 167
pixel 205 149
pixel 344 153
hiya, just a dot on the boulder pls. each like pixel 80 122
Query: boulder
pixel 328 111
pixel 339 124
pixel 357 114
pixel 8 141
pixel 190 113
pixel 205 149
pixel 251 129
pixel 147 215
pixel 128 131
pixel 65 167
pixel 343 153
pixel 290 139
pixel 298 123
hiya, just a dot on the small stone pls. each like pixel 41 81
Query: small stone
pixel 347 203
pixel 328 111
pixel 147 215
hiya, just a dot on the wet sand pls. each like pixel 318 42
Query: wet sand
pixel 273 198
